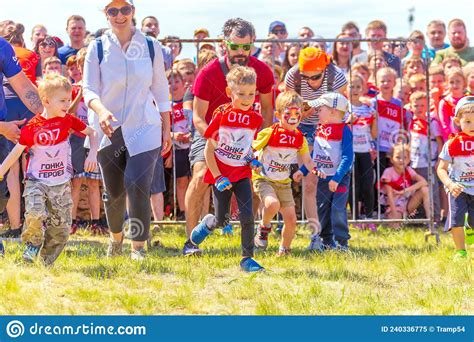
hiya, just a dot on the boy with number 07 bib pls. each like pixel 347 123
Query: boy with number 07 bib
pixel 48 199
pixel 228 153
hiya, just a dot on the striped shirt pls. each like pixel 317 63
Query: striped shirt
pixel 309 93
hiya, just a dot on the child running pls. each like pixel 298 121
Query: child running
pixel 228 153
pixel 456 171
pixel 278 147
pixel 47 192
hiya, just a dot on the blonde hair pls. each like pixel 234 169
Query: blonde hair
pixel 51 60
pixel 204 57
pixel 52 83
pixel 81 57
pixel 288 99
pixel 413 60
pixel 455 72
pixel 467 108
pixel 387 71
pixel 418 95
pixel 241 75
pixel 468 69
pixel 436 70
pixel 416 78
pixel 451 59
pixel 375 25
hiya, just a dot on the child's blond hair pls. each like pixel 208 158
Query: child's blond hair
pixel 358 66
pixel 467 108
pixel 436 70
pixel 241 75
pixel 288 99
pixel 416 78
pixel 51 83
pixel 387 71
pixel 413 60
pixel 468 69
pixel 81 57
pixel 451 59
pixel 51 60
pixel 418 95
pixel 455 72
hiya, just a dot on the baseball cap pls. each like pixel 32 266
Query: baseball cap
pixel 332 100
pixel 275 24
pixel 462 102
pixel 313 59
pixel 106 3
pixel 201 30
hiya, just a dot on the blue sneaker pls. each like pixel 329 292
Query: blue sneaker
pixel 250 265
pixel 190 249
pixel 31 252
pixel 316 244
pixel 2 250
pixel 227 230
pixel 203 229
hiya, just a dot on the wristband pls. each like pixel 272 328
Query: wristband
pixel 304 170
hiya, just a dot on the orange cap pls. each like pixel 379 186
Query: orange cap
pixel 313 59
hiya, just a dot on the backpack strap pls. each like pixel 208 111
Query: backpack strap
pixel 151 48
pixel 100 49
pixel 224 67
pixel 331 74
pixel 297 81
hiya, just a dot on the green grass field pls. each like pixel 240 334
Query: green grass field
pixel 388 272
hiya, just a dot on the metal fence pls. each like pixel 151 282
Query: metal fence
pixel 379 219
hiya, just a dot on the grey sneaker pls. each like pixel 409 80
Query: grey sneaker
pixel 316 244
pixel 138 254
pixel 115 248
pixel 261 238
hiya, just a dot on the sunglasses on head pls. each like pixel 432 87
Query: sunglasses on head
pixel 312 78
pixel 235 47
pixel 281 31
pixel 113 11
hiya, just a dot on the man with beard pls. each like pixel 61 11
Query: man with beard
pixel 209 93
pixel 459 44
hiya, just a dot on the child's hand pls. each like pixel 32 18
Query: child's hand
pixel 373 155
pixel 168 164
pixel 298 176
pixel 318 173
pixel 455 189
pixel 256 165
pixel 365 100
pixel 90 165
pixel 333 186
pixel 222 183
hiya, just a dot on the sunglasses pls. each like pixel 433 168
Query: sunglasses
pixel 235 47
pixel 45 44
pixel 312 78
pixel 281 31
pixel 113 11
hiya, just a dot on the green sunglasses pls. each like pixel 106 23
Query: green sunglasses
pixel 235 47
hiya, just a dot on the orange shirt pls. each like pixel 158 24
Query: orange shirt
pixel 28 60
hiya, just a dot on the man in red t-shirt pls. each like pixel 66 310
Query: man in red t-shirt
pixel 209 93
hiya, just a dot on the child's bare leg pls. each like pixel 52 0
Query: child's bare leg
pixel 270 209
pixel 289 219
pixel 93 186
pixel 458 237
pixel 395 215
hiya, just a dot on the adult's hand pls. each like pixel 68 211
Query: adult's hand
pixel 11 129
pixel 105 119
pixel 167 143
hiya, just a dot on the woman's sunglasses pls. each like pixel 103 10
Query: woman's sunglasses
pixel 235 47
pixel 113 11
pixel 47 44
pixel 312 78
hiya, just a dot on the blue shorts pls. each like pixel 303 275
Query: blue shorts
pixel 458 207
pixel 308 131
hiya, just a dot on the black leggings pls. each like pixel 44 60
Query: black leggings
pixel 243 193
pixel 127 176
pixel 363 184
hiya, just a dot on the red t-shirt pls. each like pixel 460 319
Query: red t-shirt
pixel 234 130
pixel 210 83
pixel 81 112
pixel 28 60
pixel 49 159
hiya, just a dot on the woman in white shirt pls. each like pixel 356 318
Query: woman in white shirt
pixel 125 85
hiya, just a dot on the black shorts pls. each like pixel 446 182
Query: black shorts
pixel 78 154
pixel 458 207
pixel 182 164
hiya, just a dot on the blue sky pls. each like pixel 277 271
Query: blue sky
pixel 181 17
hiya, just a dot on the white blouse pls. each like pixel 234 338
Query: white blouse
pixel 127 83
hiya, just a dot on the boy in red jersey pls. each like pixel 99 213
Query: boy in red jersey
pixel 278 147
pixel 456 171
pixel 228 154
pixel 47 193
